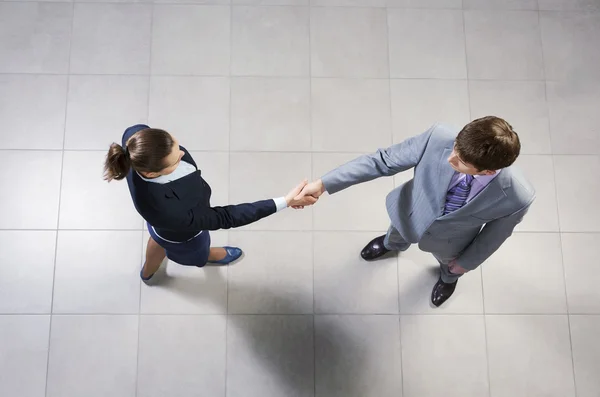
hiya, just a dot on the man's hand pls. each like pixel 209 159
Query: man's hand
pixel 296 200
pixel 456 269
pixel 314 189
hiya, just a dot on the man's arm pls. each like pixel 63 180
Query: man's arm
pixel 491 237
pixel 384 162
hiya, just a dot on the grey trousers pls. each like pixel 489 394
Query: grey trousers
pixel 394 242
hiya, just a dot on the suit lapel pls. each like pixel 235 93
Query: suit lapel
pixel 446 172
pixel 487 198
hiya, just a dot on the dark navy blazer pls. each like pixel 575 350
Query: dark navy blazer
pixel 180 209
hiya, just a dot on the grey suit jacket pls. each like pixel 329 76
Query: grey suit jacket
pixel 416 207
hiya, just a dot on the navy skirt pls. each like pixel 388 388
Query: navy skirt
pixel 193 252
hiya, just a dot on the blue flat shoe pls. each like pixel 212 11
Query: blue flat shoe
pixel 233 254
pixel 146 279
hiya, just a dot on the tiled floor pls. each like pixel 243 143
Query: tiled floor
pixel 265 93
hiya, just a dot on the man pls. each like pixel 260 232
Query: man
pixel 464 201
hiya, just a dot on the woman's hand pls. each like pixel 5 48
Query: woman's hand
pixel 293 198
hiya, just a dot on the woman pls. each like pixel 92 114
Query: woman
pixel 169 193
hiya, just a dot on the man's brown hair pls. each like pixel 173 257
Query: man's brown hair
pixel 488 143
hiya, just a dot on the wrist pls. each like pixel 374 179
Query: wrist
pixel 321 186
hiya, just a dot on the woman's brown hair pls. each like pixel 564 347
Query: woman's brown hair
pixel 145 151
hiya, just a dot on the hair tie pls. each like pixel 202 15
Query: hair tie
pixel 126 150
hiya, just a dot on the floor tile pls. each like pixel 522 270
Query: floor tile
pixel 543 213
pixel 276 275
pixel 270 114
pixel 348 42
pixel 188 289
pixel 496 38
pixel 429 343
pixel 447 103
pixel 529 356
pixel 26 271
pixel 34 37
pixel 270 41
pixel 217 2
pixel 577 195
pixel 425 3
pixel 176 359
pixel 586 354
pixel 574 117
pixel 89 278
pixel 102 350
pixel 34 180
pixel 500 4
pixel 195 109
pixel 270 356
pixel 285 171
pixel 418 272
pixel 525 276
pixel 580 255
pixel 569 5
pixel 567 38
pixel 24 347
pixel 91 98
pixel 182 35
pixel 349 3
pixel 427 44
pixel 33 110
pixel 357 356
pixel 346 284
pixel 214 168
pixel 272 2
pixel 522 104
pixel 89 202
pixel 350 115
pixel 111 38
pixel 361 207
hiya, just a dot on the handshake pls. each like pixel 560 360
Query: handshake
pixel 305 194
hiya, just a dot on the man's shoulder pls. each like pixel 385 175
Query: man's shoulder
pixel 520 188
pixel 442 134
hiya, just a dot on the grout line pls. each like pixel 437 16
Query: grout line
pixel 62 168
pixel 441 313
pixel 306 152
pixel 392 118
pixel 265 76
pixel 227 324
pixel 363 231
pixel 142 258
pixel 190 3
pixel 557 202
pixel 312 177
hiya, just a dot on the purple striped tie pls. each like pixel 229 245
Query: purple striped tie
pixel 457 196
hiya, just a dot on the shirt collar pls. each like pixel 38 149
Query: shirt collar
pixel 485 179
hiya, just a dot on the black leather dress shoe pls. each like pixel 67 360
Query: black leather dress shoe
pixel 374 250
pixel 441 292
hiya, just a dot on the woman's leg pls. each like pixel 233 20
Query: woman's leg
pixel 217 254
pixel 155 254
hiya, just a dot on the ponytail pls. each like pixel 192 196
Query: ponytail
pixel 117 163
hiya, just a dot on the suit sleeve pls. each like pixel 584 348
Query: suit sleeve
pixel 491 237
pixel 227 217
pixel 384 162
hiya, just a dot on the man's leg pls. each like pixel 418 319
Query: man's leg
pixel 444 288
pixel 379 246
pixel 393 241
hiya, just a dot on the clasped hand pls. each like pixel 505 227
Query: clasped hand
pixel 305 194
